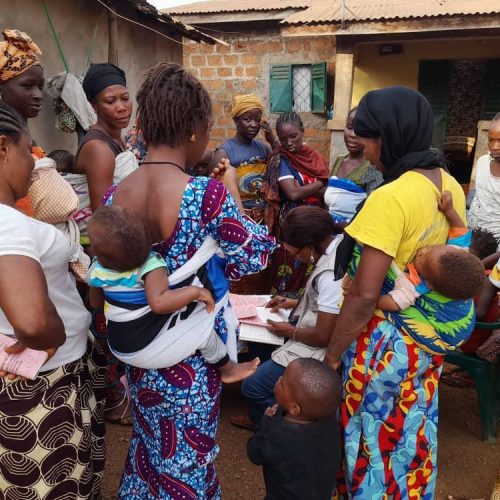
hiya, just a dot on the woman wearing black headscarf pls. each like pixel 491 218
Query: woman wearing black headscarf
pixel 106 89
pixel 95 164
pixel 391 362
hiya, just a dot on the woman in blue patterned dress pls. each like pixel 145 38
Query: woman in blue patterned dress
pixel 176 409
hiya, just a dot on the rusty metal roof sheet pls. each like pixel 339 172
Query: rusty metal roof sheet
pixel 334 11
pixel 225 6
pixel 163 21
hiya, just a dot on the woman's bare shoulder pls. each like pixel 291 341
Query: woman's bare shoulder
pixel 94 155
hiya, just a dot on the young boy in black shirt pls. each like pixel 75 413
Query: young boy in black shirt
pixel 297 440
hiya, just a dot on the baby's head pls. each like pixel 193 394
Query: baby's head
pixel 118 238
pixel 483 244
pixel 308 390
pixel 65 161
pixel 453 272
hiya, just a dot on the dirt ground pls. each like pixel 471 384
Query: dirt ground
pixel 467 466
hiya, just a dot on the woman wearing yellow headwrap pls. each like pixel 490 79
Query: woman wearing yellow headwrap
pixel 246 153
pixel 249 157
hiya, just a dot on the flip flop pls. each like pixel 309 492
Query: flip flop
pixel 126 416
pixel 242 422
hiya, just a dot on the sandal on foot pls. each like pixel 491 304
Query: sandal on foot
pixel 126 416
pixel 242 422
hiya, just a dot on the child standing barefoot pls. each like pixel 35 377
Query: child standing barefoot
pixel 297 441
pixel 137 299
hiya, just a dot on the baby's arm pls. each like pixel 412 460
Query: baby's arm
pixel 388 304
pixel 445 205
pixel 403 295
pixel 162 300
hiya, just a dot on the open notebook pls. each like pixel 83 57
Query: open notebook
pixel 25 364
pixel 253 317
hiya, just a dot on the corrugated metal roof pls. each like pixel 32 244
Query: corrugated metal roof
pixel 225 6
pixel 334 11
pixel 164 23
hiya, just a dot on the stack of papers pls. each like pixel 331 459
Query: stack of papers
pixel 253 317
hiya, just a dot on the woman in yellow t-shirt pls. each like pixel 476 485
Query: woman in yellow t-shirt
pixel 391 362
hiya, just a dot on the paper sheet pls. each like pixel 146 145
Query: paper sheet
pixel 264 314
pixel 256 333
pixel 25 364
pixel 253 317
pixel 244 306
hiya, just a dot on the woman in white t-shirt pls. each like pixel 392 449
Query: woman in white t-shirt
pixel 484 212
pixel 52 427
pixel 309 235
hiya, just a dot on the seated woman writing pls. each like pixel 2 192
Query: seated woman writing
pixel 310 235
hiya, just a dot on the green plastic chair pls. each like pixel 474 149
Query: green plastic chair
pixel 487 378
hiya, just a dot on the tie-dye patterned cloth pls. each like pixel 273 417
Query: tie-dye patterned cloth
pixel 389 410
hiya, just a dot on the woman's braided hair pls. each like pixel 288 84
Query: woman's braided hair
pixel 291 118
pixel 12 123
pixel 172 105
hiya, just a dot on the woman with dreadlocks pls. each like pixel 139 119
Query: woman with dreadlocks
pixel 295 175
pixel 176 409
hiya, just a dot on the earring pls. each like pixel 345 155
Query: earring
pixel 311 258
pixel 5 160
pixel 192 138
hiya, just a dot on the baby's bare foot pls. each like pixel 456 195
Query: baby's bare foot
pixel 232 372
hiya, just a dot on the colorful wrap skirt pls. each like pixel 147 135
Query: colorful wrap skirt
pixel 52 432
pixel 389 410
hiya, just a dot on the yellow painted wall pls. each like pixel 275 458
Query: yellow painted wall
pixel 373 71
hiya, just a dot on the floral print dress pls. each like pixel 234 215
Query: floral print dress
pixel 176 409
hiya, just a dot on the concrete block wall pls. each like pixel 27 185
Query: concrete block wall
pixel 243 67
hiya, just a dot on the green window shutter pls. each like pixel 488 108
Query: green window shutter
pixel 280 88
pixel 318 87
pixel 491 90
pixel 434 84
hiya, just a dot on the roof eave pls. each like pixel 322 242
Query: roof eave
pixel 140 11
pixel 392 25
